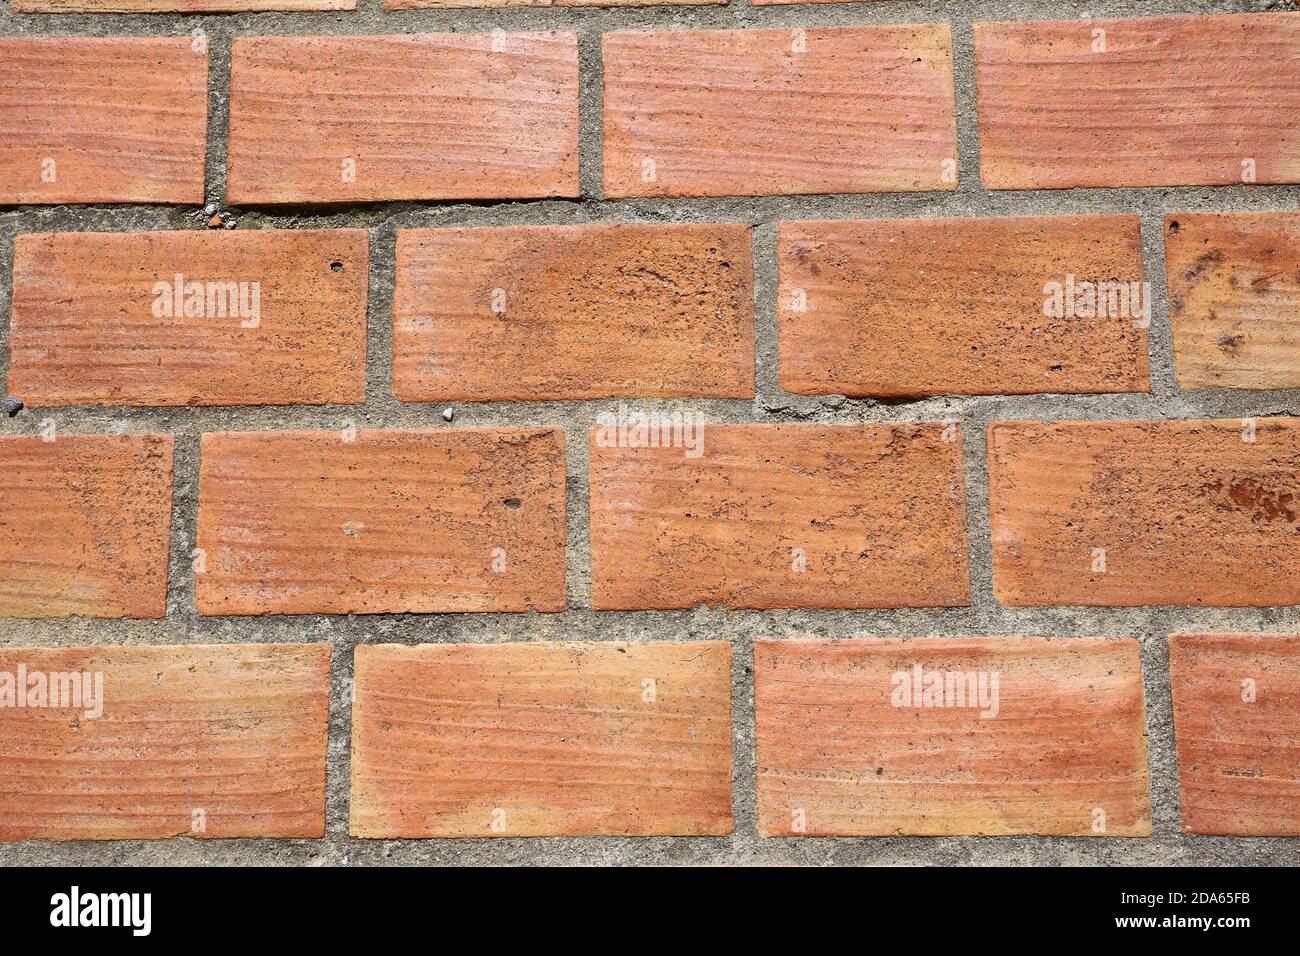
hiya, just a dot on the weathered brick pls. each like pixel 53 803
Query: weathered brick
pixel 1150 101
pixel 1146 512
pixel 574 312
pixel 779 112
pixel 178 6
pixel 205 740
pixel 934 306
pixel 437 116
pixel 272 317
pixel 542 739
pixel 371 522
pixel 764 516
pixel 118 119
pixel 1237 724
pixel 453 4
pixel 1234 298
pixel 850 745
pixel 85 525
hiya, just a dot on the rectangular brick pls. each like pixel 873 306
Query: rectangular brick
pixel 331 119
pixel 779 112
pixel 903 307
pixel 1148 101
pixel 853 741
pixel 1135 513
pixel 205 740
pixel 378 522
pixel 455 4
pixel 85 525
pixel 574 312
pixel 175 6
pixel 256 317
pixel 779 516
pixel 542 739
pixel 102 120
pixel 1237 724
pixel 1234 298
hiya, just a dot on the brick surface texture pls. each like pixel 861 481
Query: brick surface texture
pixel 630 432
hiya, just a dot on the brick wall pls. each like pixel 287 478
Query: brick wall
pixel 718 433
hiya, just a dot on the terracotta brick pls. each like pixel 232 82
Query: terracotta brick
pixel 846 748
pixel 328 119
pixel 85 525
pixel 453 4
pixel 779 112
pixel 574 312
pixel 99 318
pixel 206 740
pixel 1149 101
pixel 375 522
pixel 178 6
pixel 1146 512
pixel 932 306
pixel 780 516
pixel 1234 298
pixel 89 120
pixel 1237 723
pixel 542 739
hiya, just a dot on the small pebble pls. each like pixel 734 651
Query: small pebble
pixel 209 209
pixel 13 406
pixel 448 414
pixel 216 222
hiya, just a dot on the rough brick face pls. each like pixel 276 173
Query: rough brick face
pixel 777 112
pixel 202 741
pixel 443 4
pixel 764 516
pixel 1234 298
pixel 1146 513
pixel 88 120
pixel 574 312
pixel 439 116
pixel 1237 722
pixel 374 522
pixel 900 307
pixel 852 743
pixel 1151 101
pixel 179 6
pixel 85 523
pixel 190 318
pixel 542 739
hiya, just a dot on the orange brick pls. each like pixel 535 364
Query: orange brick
pixel 85 525
pixel 376 522
pixel 1234 298
pixel 854 739
pixel 780 516
pixel 574 312
pixel 1237 723
pixel 779 112
pixel 206 740
pixel 273 317
pixel 87 120
pixel 1149 101
pixel 326 119
pixel 453 4
pixel 178 6
pixel 542 739
pixel 1146 513
pixel 933 306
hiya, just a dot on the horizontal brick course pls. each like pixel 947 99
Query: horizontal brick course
pixel 190 318
pixel 849 745
pixel 324 119
pixel 373 522
pixel 1234 298
pixel 85 524
pixel 1147 101
pixel 114 120
pixel 542 739
pixel 574 312
pixel 1145 512
pixel 202 740
pixel 778 112
pixel 177 6
pixel 899 307
pixel 769 516
pixel 1237 723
